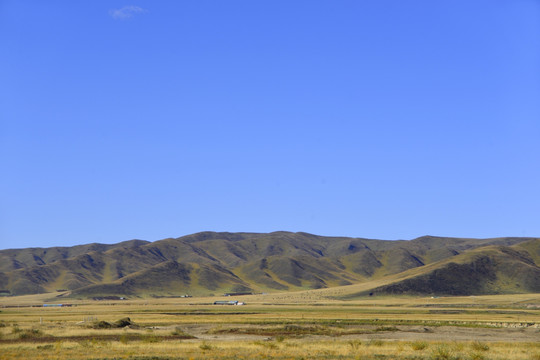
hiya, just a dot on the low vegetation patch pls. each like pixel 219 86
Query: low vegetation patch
pixel 419 345
pixel 31 334
pixel 381 323
pixel 206 347
pixel 387 328
pixel 287 330
pixel 299 330
pixel 122 323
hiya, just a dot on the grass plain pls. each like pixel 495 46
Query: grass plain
pixel 303 325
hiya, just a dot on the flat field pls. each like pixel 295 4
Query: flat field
pixel 274 326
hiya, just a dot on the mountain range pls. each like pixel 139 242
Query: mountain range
pixel 209 263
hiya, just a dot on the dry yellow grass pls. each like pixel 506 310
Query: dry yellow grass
pixel 288 349
pixel 370 328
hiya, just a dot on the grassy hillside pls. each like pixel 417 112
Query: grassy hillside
pixel 486 270
pixel 209 262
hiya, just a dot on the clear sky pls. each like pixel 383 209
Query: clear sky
pixel 386 119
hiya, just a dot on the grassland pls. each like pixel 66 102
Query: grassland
pixel 297 326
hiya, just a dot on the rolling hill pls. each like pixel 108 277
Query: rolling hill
pixel 213 263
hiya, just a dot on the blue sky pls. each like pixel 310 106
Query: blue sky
pixel 383 119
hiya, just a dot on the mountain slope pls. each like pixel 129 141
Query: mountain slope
pixel 210 262
pixel 169 278
pixel 13 259
pixel 487 270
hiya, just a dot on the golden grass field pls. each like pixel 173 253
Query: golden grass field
pixel 303 325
